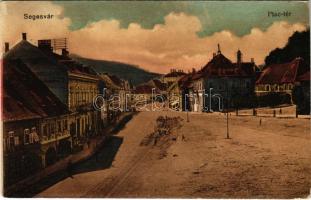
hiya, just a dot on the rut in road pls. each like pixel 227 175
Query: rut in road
pixel 108 188
pixel 103 188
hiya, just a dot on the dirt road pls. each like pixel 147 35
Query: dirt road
pixel 271 160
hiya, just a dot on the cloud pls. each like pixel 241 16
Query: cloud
pixel 175 43
pixel 12 22
pixel 235 16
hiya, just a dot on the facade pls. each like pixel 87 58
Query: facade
pixel 222 83
pixel 143 94
pixel 75 85
pixel 301 94
pixel 85 121
pixel 172 77
pixel 280 78
pixel 277 82
pixel 178 93
pixel 117 91
pixel 35 131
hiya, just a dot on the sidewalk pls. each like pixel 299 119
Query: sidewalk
pixel 88 151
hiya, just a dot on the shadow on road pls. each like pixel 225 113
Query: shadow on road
pixel 122 124
pixel 101 159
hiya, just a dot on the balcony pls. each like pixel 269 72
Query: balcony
pixel 54 137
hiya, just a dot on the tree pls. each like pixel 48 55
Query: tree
pixel 297 46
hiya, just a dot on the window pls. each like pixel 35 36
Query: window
pixel 59 126
pixel 26 136
pixel 10 141
pixel 34 138
pixel 45 130
pixel 33 130
pixel 290 86
pixel 52 128
pixel 16 141
pixel 65 125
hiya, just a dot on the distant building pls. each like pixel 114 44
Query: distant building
pixel 144 92
pixel 222 83
pixel 280 78
pixel 118 90
pixel 178 93
pixel 173 76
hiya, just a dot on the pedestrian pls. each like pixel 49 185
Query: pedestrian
pixel 280 111
pixel 183 137
pixel 260 122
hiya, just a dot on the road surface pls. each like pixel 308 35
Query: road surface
pixel 271 160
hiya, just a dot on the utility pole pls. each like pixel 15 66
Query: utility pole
pixel 227 85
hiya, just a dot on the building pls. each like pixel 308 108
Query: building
pixel 144 93
pixel 118 92
pixel 301 93
pixel 222 83
pixel 83 87
pixel 35 123
pixel 276 83
pixel 172 77
pixel 280 78
pixel 178 93
pixel 74 85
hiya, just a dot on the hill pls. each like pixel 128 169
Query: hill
pixel 125 71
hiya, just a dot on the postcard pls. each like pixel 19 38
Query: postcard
pixel 155 99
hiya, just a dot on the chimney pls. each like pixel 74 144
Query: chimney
pixel 6 47
pixel 252 60
pixel 239 57
pixel 24 36
pixel 219 52
pixel 214 54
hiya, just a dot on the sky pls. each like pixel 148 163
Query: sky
pixel 158 35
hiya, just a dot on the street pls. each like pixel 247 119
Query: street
pixel 267 159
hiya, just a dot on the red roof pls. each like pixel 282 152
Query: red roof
pixel 155 83
pixel 26 96
pixel 185 81
pixel 221 66
pixel 116 80
pixel 15 110
pixel 145 89
pixel 281 73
